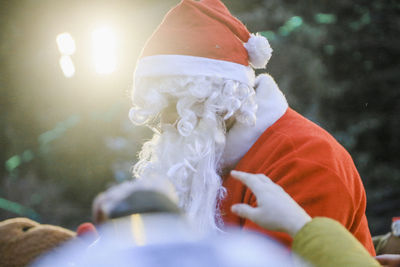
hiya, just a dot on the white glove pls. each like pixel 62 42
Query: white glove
pixel 276 210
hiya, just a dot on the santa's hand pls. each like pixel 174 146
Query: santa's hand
pixel 276 210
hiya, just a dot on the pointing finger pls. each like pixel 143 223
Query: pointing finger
pixel 244 211
pixel 253 181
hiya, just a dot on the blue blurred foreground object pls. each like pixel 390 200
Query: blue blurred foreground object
pixel 166 240
pixel 146 229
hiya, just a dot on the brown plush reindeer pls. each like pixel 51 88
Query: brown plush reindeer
pixel 23 240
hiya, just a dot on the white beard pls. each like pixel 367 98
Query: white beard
pixel 188 153
pixel 191 164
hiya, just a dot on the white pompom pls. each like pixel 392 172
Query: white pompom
pixel 259 51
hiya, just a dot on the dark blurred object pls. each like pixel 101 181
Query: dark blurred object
pixel 390 242
pixel 140 196
pixel 144 201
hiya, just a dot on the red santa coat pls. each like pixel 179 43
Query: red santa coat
pixel 312 167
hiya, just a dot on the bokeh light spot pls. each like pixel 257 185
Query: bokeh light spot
pixel 104 50
pixel 13 163
pixel 66 44
pixel 67 66
pixel 27 156
pixel 325 18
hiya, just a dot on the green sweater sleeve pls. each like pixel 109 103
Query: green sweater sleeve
pixel 325 242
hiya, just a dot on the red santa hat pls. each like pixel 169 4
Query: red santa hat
pixel 203 38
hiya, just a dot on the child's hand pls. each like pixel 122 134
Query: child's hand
pixel 276 210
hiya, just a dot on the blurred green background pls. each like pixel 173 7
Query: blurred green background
pixel 64 140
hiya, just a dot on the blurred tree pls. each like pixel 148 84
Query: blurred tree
pixel 343 74
pixel 61 140
pixel 365 64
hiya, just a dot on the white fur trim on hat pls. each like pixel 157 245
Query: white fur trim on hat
pixel 259 51
pixel 169 65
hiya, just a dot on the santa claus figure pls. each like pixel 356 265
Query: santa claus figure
pixel 195 86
